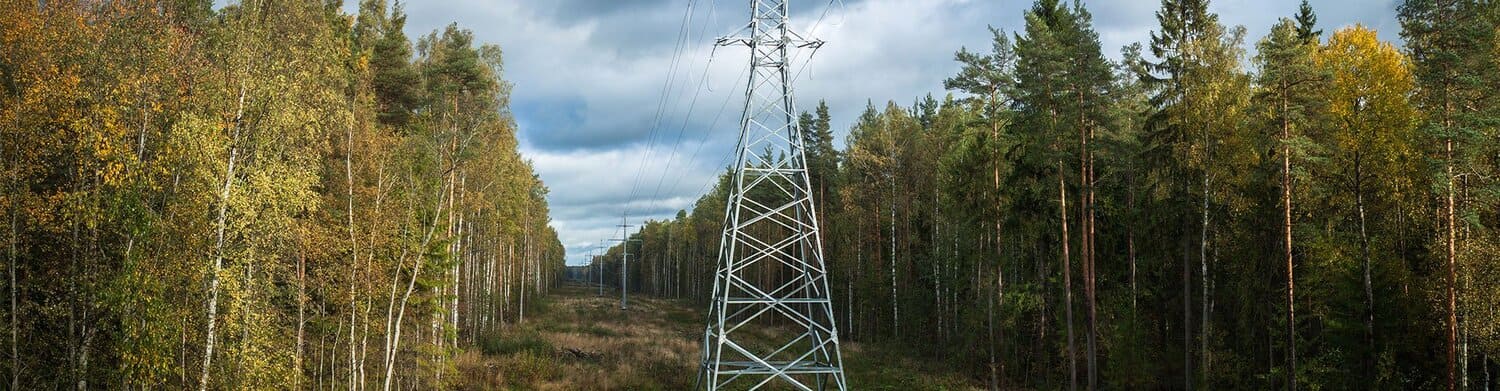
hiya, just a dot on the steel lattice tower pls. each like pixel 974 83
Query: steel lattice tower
pixel 770 225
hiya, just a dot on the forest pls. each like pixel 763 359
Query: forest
pixel 268 195
pixel 284 195
pixel 1300 210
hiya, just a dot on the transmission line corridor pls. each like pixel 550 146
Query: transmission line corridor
pixel 581 340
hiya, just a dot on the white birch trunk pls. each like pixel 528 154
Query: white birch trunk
pixel 218 264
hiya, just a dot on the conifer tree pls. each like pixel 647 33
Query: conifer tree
pixel 1451 43
pixel 1288 81
pixel 1199 99
pixel 1307 22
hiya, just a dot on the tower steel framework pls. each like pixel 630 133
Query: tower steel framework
pixel 770 225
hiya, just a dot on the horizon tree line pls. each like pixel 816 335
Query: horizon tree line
pixel 1174 219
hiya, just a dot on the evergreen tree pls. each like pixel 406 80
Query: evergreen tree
pixel 1192 138
pixel 1452 45
pixel 976 165
pixel 394 79
pixel 1307 21
pixel 1288 81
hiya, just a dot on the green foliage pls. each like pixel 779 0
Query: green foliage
pixel 1307 22
pixel 258 176
pixel 347 208
pixel 944 235
pixel 393 77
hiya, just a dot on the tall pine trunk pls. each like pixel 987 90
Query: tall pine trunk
pixel 1286 223
pixel 1067 262
pixel 997 367
pixel 1086 218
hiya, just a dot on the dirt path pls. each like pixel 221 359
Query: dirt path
pixel 582 341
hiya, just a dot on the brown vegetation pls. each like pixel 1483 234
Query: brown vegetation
pixel 582 341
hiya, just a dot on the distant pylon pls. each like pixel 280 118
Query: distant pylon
pixel 624 259
pixel 769 223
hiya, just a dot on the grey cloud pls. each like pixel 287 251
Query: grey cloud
pixel 588 77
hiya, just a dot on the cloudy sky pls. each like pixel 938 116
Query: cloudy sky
pixel 625 106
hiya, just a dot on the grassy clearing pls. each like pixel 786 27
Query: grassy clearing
pixel 585 342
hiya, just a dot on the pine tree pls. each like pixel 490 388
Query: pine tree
pixel 1288 80
pixel 1090 79
pixel 1046 115
pixel 1450 43
pixel 393 77
pixel 980 152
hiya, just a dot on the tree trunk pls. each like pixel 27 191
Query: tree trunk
pixel 218 264
pixel 624 269
pixel 83 352
pixel 666 289
pixel 15 357
pixel 997 378
pixel 301 317
pixel 1072 351
pixel 1086 217
pixel 849 289
pixel 1464 283
pixel 387 357
pixel 1093 293
pixel 994 376
pixel 353 245
pixel 1286 223
pixel 999 266
pixel 1452 265
pixel 1187 313
pixel 395 336
pixel 1486 361
pixel 361 379
pixel 1203 276
pixel 1130 249
pixel 395 344
pixel 895 308
pixel 1364 246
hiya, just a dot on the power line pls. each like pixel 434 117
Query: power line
pixel 681 42
pixel 715 177
pixel 683 128
pixel 687 117
pixel 704 140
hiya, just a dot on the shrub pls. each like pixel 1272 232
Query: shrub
pixel 525 341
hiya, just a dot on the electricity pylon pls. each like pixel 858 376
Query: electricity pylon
pixel 624 259
pixel 770 224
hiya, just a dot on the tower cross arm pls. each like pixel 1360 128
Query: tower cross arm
pixel 790 41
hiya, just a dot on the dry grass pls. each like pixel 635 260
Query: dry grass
pixel 585 342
